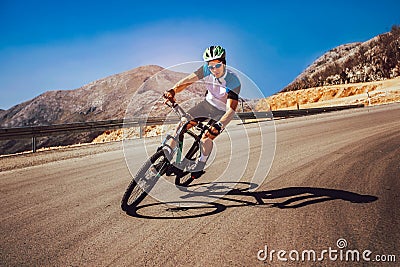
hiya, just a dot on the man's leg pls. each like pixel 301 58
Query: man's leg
pixel 206 148
pixel 172 142
pixel 206 145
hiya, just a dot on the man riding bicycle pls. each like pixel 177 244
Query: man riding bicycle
pixel 219 105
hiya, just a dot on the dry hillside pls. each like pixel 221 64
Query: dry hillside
pixel 370 93
pixel 104 99
pixel 374 60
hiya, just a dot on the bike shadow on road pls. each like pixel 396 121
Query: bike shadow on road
pixel 220 200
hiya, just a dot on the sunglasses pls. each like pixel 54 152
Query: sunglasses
pixel 216 66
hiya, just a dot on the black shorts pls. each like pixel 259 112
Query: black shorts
pixel 205 111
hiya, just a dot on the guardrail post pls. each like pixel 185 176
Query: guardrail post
pixel 140 131
pixel 369 99
pixel 34 144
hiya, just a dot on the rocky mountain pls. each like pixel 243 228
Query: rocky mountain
pixel 132 93
pixel 374 60
pixel 100 100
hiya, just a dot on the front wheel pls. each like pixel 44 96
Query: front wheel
pixel 144 180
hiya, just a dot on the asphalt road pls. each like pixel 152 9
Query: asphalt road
pixel 333 188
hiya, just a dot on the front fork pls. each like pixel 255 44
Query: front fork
pixel 180 148
pixel 175 143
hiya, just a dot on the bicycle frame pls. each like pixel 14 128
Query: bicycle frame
pixel 178 137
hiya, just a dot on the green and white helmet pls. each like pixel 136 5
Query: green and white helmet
pixel 214 52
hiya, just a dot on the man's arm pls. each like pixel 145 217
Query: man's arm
pixel 185 82
pixel 231 105
pixel 180 86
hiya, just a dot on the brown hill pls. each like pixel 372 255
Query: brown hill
pixel 374 60
pixel 104 99
pixel 348 74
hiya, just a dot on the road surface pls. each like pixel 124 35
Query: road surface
pixel 333 187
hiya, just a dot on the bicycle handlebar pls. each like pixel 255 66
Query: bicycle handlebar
pixel 182 114
pixel 175 106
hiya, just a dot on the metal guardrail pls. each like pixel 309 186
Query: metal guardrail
pixel 47 130
pixel 50 130
pixel 293 113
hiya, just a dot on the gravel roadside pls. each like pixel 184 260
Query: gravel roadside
pixel 27 159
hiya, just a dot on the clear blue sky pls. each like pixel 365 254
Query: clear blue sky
pixel 52 45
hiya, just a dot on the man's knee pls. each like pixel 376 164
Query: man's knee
pixel 191 124
pixel 209 136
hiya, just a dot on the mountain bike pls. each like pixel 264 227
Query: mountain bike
pixel 168 160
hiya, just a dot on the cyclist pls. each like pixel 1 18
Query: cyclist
pixel 219 105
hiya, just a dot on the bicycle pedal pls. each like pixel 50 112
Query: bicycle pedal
pixel 197 175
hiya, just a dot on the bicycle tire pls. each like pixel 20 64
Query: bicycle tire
pixel 144 180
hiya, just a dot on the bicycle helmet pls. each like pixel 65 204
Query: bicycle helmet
pixel 214 52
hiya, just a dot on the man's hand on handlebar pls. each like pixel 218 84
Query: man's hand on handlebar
pixel 215 130
pixel 170 95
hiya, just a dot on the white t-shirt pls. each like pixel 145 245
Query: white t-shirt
pixel 219 90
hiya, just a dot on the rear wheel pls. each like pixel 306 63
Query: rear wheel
pixel 144 180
